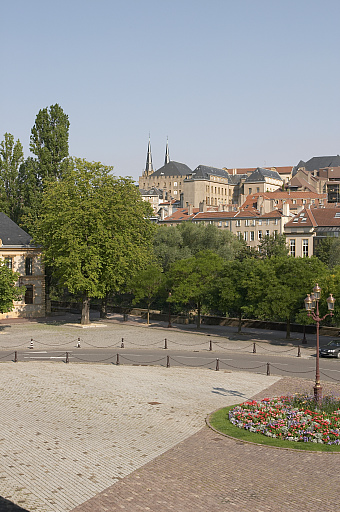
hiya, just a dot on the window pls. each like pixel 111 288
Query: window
pixel 267 222
pixel 276 221
pixel 259 234
pixel 305 248
pixel 238 222
pixel 29 294
pixel 239 234
pixel 245 236
pixel 226 223
pixel 260 222
pixel 175 192
pixel 220 224
pixel 303 201
pixel 8 262
pixel 253 222
pixel 292 247
pixel 246 222
pixel 175 183
pixel 250 190
pixel 257 189
pixel 28 266
pixel 267 232
pixel 252 236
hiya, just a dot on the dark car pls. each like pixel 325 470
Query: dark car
pixel 332 349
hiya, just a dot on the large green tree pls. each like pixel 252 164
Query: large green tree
pixel 49 140
pixel 11 157
pixel 192 280
pixel 146 284
pixel 289 280
pixel 94 229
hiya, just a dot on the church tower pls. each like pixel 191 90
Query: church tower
pixel 149 167
pixel 167 156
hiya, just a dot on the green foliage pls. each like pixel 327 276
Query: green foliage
pixel 323 248
pixel 11 156
pixel 49 140
pixel 146 284
pixel 273 245
pixel 187 239
pixel 194 279
pixel 334 253
pixel 94 229
pixel 8 289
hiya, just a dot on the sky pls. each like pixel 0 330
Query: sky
pixel 242 83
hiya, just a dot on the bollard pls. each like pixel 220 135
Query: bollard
pixel 217 364
pixel 165 344
pixel 15 356
pixel 66 357
pixel 122 344
pixel 117 361
pixel 268 369
pixel 168 361
pixel 78 343
pixel 254 348
pixel 210 345
pixel 299 351
pixel 31 344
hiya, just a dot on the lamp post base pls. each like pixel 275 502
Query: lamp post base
pixel 318 393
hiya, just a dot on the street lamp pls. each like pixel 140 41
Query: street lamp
pixel 312 302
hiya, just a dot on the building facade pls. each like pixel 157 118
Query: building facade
pixel 20 255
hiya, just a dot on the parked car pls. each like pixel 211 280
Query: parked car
pixel 332 349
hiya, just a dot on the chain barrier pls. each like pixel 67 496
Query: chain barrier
pixel 289 371
pixel 191 365
pixel 6 355
pixel 233 348
pixel 141 362
pixel 325 374
pixel 277 351
pixel 240 368
pixel 87 361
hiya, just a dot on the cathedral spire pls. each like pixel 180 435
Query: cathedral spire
pixel 149 167
pixel 167 156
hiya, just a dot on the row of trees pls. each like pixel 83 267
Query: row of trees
pixel 22 181
pixel 99 243
pixel 231 280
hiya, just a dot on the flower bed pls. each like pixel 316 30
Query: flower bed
pixel 292 418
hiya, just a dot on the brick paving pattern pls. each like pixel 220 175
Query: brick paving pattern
pixel 101 437
pixel 67 432
pixel 210 472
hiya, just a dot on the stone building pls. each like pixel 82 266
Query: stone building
pixel 20 255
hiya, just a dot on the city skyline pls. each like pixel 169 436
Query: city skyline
pixel 231 84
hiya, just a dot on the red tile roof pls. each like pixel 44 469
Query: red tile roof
pixel 329 216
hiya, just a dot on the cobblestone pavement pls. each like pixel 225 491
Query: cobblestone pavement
pixel 68 432
pixel 209 472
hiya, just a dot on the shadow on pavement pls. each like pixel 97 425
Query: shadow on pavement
pixel 8 506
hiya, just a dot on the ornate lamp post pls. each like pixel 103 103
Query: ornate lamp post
pixel 312 302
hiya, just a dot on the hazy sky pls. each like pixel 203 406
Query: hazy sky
pixel 238 83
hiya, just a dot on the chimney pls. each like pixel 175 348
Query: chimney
pixel 189 209
pixel 170 209
pixel 162 214
pixel 200 206
pixel 285 209
pixel 163 194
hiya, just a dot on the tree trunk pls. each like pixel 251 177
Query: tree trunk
pixel 198 318
pixel 85 311
pixel 103 306
pixel 288 329
pixel 239 328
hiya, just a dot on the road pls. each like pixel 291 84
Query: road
pixel 281 364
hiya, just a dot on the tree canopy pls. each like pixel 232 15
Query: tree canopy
pixel 94 230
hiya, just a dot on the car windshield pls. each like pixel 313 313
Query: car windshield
pixel 333 344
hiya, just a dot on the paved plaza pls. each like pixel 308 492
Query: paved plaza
pixel 101 437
